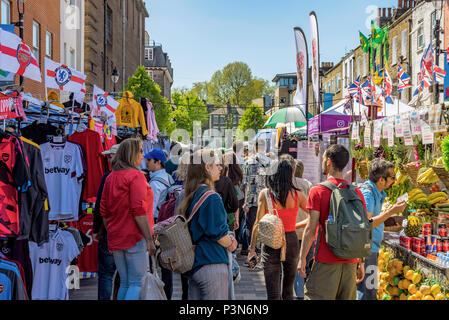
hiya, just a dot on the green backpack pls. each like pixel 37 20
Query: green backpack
pixel 349 232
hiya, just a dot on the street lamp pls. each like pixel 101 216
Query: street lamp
pixel 21 11
pixel 115 76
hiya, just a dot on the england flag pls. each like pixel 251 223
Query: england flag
pixel 59 76
pixel 17 57
pixel 103 101
pixel 403 79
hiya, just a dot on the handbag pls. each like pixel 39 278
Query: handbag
pixel 271 228
pixel 152 286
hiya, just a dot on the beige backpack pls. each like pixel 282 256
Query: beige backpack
pixel 271 228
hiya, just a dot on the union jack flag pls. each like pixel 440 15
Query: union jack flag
pixel 387 88
pixel 427 62
pixel 354 89
pixel 439 74
pixel 403 79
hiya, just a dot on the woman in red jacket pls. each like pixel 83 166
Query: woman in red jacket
pixel 127 210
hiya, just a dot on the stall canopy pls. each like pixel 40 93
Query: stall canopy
pixel 333 119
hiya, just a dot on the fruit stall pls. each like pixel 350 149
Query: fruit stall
pixel 414 259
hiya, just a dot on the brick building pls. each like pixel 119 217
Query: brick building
pixel 41 33
pixel 114 38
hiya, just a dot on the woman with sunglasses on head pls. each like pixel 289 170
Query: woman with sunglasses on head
pixel 127 211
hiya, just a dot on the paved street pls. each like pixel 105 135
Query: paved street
pixel 250 287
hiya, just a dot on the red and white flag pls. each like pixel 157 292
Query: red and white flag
pixel 79 96
pixel 59 76
pixel 17 57
pixel 103 101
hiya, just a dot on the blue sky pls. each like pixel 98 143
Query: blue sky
pixel 202 36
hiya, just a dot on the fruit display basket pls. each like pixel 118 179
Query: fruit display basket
pixel 413 173
pixel 442 174
pixel 363 167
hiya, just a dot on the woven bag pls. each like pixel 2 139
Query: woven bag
pixel 271 228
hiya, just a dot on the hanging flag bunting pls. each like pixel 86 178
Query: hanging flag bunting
pixel 364 43
pixel 440 74
pixel 59 76
pixel 17 57
pixel 315 58
pixel 403 79
pixel 103 101
pixel 388 86
pixel 302 65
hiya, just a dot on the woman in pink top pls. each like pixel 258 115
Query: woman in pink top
pixel 287 200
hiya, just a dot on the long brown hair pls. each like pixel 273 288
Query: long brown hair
pixel 126 155
pixel 232 169
pixel 197 175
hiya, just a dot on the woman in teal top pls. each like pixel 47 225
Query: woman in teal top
pixel 208 279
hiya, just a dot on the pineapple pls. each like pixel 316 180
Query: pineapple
pixel 414 227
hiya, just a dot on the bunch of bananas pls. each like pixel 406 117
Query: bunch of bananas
pixel 400 178
pixel 437 197
pixel 417 195
pixel 428 177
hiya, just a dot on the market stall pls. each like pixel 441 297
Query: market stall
pixel 414 260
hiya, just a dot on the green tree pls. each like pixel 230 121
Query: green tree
pixel 237 76
pixel 142 86
pixel 188 108
pixel 201 90
pixel 252 118
pixel 219 91
pixel 258 88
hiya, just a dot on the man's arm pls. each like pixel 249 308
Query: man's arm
pixel 307 240
pixel 157 188
pixel 383 216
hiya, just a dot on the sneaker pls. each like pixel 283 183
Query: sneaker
pixel 237 279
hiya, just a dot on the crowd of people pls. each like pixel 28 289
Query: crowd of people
pixel 246 183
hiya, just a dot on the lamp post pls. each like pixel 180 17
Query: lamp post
pixel 115 76
pixel 21 11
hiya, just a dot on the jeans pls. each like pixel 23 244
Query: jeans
pixel 368 287
pixel 272 269
pixel 106 269
pixel 250 219
pixel 210 282
pixel 230 278
pixel 299 281
pixel 131 264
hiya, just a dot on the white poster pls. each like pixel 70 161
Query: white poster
pixel 300 98
pixel 315 58
pixel 310 155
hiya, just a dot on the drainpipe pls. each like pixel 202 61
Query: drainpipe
pixel 123 45
pixel 140 38
pixel 104 45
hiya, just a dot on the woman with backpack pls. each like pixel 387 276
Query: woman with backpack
pixel 286 200
pixel 208 279
pixel 127 210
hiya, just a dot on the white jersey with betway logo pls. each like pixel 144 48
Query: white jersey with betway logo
pixel 63 169
pixel 50 262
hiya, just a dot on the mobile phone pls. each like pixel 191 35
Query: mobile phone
pixel 252 262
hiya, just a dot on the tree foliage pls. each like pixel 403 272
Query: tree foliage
pixel 252 118
pixel 142 86
pixel 188 108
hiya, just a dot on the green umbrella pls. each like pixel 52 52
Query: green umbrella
pixel 287 115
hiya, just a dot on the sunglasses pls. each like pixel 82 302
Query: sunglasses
pixel 392 177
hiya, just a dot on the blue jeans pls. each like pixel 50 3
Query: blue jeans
pixel 106 269
pixel 300 281
pixel 210 282
pixel 131 264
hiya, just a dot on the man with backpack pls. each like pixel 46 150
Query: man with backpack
pixel 160 182
pixel 381 176
pixel 345 233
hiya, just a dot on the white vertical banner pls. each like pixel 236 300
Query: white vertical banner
pixel 315 59
pixel 300 98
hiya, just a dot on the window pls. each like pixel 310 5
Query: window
pixel 365 58
pixel 404 42
pixel 149 53
pixel 358 66
pixel 420 37
pixel 222 119
pixel 6 12
pixel 215 118
pixel 150 73
pixel 109 26
pixel 394 47
pixel 346 74
pixel 48 44
pixel 338 82
pixel 72 2
pixel 72 59
pixel 36 33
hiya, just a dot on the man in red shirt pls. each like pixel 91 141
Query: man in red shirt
pixel 331 277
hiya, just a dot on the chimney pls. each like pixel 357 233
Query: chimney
pixel 389 12
pixel 400 2
pixel 384 13
pixel 379 13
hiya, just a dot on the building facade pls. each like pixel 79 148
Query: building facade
pixel 114 38
pixel 158 66
pixel 41 32
pixel 332 81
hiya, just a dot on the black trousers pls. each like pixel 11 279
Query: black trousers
pixel 272 269
pixel 250 220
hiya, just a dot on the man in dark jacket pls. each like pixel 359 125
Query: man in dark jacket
pixel 106 265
